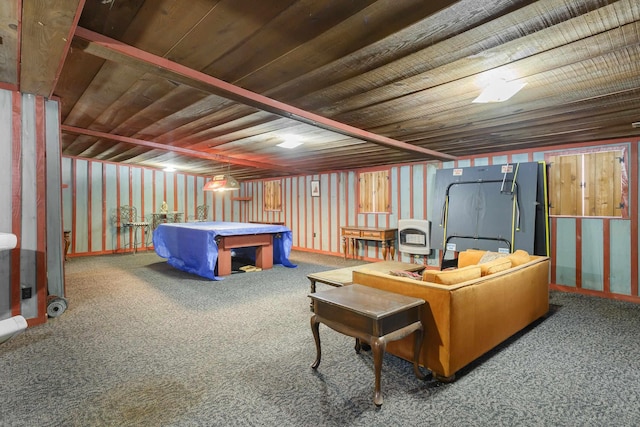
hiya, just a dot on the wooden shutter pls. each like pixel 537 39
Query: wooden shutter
pixel 374 191
pixel 272 196
pixel 564 185
pixel 602 183
pixel 586 184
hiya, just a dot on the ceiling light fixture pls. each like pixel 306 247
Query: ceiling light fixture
pixel 169 169
pixel 499 91
pixel 290 141
pixel 289 144
pixel 635 125
pixel 222 182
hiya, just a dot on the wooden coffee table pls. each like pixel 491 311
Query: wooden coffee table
pixel 372 316
pixel 343 276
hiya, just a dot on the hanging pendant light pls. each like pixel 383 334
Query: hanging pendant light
pixel 222 182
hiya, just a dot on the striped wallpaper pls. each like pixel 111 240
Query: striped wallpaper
pixel 589 255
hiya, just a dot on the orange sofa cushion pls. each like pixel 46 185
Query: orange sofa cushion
pixel 495 265
pixel 469 257
pixel 519 257
pixel 475 256
pixel 452 277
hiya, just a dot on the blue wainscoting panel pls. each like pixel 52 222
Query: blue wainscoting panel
pixel 403 188
pixel 169 179
pixel 124 185
pixel 500 160
pixel 303 204
pixel 96 206
pixel 136 189
pixel 147 203
pixel 344 208
pixel 350 186
pixel 67 193
pixel 123 191
pixel 189 199
pixel 520 158
pixel 81 228
pixel 538 156
pixel 218 208
pixel 417 196
pixel 434 257
pixel 565 251
pixel 158 191
pixel 334 231
pixel 316 209
pixel 620 275
pixel 179 198
pixel 111 205
pixel 431 190
pixel 592 254
pixel 199 194
pixel 293 219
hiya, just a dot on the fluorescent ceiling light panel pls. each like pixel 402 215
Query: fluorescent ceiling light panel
pixel 289 144
pixel 499 91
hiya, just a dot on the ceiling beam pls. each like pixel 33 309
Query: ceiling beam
pixel 185 151
pixel 46 33
pixel 114 50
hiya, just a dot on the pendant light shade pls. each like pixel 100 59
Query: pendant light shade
pixel 222 183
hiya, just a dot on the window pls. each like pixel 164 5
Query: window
pixel 588 184
pixel 373 195
pixel 272 196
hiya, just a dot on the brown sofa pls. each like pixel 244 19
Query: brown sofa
pixel 465 320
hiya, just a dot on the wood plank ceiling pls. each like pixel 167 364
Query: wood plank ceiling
pixel 205 85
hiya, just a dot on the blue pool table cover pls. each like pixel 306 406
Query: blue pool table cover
pixel 192 247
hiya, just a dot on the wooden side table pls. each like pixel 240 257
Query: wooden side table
pixel 350 235
pixel 372 316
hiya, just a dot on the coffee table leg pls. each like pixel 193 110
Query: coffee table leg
pixel 315 328
pixel 378 346
pixel 313 291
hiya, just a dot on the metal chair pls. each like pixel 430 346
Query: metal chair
pixel 129 220
pixel 202 212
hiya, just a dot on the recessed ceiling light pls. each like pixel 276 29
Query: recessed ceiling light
pixel 499 91
pixel 289 144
